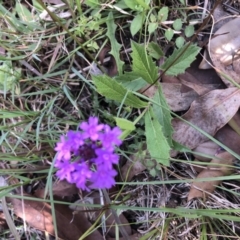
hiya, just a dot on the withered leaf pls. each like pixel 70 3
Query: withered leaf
pixel 220 166
pixel 39 215
pixel 209 113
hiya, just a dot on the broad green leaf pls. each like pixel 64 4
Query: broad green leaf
pixel 189 31
pixel 180 59
pixel 180 42
pixel 137 23
pixel 154 50
pixel 115 46
pixel 109 88
pixel 143 65
pixel 152 26
pixel 163 14
pixel 157 144
pixel 177 24
pixel 169 34
pixel 163 114
pixel 125 124
pixel 131 81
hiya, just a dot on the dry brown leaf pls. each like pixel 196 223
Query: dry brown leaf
pixel 39 215
pixel 178 96
pixel 209 148
pixel 209 113
pixel 204 188
pixel 229 138
pixel 60 188
pixel 224 50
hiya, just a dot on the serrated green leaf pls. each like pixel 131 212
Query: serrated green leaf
pixel 143 65
pixel 157 144
pixel 177 24
pixel 109 88
pixel 180 60
pixel 115 46
pixel 169 34
pixel 125 124
pixel 152 27
pixel 189 31
pixel 180 42
pixel 154 50
pixel 163 114
pixel 137 23
pixel 131 81
pixel 163 14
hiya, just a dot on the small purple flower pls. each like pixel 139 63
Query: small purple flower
pixel 103 178
pixel 110 138
pixel 91 129
pixel 93 146
pixel 64 149
pixel 65 171
pixel 106 158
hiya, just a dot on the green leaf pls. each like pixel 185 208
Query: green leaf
pixel 131 4
pixel 125 124
pixel 137 4
pixel 180 42
pixel 152 27
pixel 163 114
pixel 153 18
pixel 131 81
pixel 143 65
pixel 189 31
pixel 169 34
pixel 157 144
pixel 154 50
pixel 109 88
pixel 137 23
pixel 115 46
pixel 23 12
pixel 177 24
pixel 163 14
pixel 8 76
pixel 180 59
pixel 92 3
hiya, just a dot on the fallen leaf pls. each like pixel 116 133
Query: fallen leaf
pixel 207 148
pixel 176 99
pixel 224 51
pixel 39 215
pixel 209 113
pixel 60 188
pixel 221 166
pixel 229 138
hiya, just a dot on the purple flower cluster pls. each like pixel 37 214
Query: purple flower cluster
pixel 88 155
